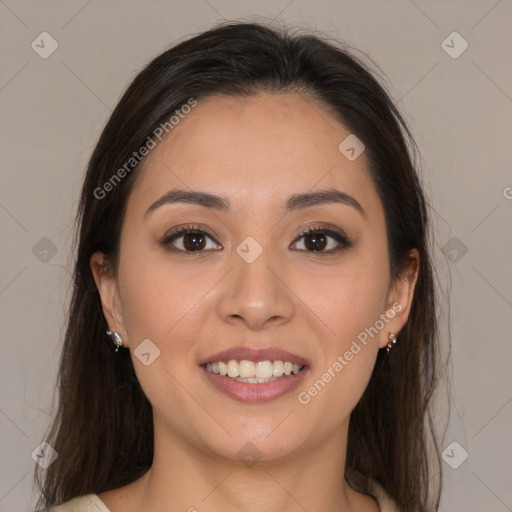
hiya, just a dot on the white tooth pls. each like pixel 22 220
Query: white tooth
pixel 233 368
pixel 278 368
pixel 223 368
pixel 246 368
pixel 264 370
pixel 255 380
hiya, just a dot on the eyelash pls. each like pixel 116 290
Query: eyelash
pixel 332 232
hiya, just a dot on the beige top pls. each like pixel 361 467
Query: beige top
pixel 92 503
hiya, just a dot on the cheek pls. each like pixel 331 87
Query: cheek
pixel 341 375
pixel 329 398
pixel 349 306
pixel 158 295
pixel 161 302
pixel 348 299
pixel 167 303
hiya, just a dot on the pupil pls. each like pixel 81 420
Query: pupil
pixel 193 238
pixel 316 239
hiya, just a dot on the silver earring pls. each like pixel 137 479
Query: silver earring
pixel 116 337
pixel 392 341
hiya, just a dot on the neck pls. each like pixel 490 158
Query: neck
pixel 189 479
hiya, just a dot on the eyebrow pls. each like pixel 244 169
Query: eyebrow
pixel 293 203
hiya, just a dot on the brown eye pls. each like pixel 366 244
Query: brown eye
pixel 323 241
pixel 186 239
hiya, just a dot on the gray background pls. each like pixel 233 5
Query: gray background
pixel 459 109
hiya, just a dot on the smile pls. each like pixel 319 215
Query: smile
pixel 251 381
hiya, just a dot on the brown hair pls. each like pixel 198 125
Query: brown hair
pixel 103 429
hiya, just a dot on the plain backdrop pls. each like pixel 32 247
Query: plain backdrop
pixel 447 65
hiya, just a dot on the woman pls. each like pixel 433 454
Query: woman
pixel 253 241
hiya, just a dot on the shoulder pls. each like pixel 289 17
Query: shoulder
pixel 369 486
pixel 386 503
pixel 85 503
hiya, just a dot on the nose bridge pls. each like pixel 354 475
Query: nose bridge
pixel 255 291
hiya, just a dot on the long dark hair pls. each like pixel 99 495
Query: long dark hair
pixel 103 429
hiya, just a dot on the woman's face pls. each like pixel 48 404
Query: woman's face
pixel 253 280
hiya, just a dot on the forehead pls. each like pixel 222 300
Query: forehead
pixel 256 150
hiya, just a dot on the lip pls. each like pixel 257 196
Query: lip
pixel 256 355
pixel 254 393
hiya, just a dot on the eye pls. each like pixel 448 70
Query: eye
pixel 317 240
pixel 322 241
pixel 188 239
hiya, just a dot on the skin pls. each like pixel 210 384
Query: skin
pixel 255 151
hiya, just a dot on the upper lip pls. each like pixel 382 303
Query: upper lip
pixel 251 354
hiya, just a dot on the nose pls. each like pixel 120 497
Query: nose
pixel 257 293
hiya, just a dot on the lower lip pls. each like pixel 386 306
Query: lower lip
pixel 249 392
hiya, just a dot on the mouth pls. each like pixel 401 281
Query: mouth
pixel 250 375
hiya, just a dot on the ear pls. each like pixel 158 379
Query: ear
pixel 400 298
pixel 106 283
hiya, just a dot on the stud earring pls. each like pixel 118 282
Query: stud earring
pixel 116 337
pixel 392 341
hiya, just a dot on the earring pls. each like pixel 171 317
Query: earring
pixel 116 337
pixel 392 341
